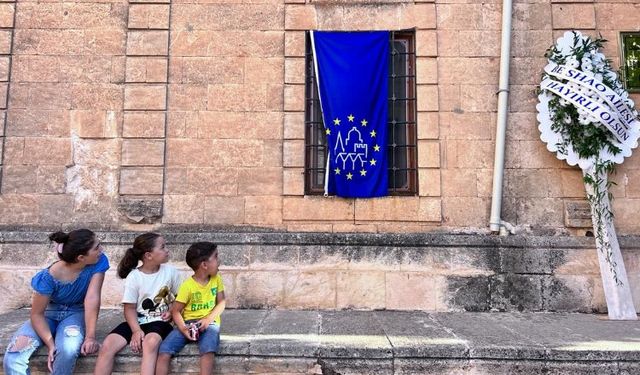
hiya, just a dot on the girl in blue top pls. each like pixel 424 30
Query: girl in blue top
pixel 64 308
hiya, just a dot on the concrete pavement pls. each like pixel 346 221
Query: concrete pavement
pixel 399 342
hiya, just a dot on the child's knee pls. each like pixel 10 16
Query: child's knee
pixel 151 342
pixel 109 348
pixel 16 357
pixel 21 344
pixel 72 339
pixel 73 335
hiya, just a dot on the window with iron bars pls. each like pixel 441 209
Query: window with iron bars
pixel 402 134
pixel 630 57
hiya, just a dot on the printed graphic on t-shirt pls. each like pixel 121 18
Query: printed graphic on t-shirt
pixel 159 304
pixel 198 304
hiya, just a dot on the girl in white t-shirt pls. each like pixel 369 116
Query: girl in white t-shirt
pixel 148 292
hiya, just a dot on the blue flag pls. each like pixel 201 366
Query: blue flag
pixel 352 70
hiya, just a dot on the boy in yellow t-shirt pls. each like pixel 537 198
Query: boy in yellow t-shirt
pixel 196 310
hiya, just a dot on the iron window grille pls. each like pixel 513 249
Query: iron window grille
pixel 402 140
pixel 630 56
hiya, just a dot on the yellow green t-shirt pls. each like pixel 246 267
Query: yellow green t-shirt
pixel 199 299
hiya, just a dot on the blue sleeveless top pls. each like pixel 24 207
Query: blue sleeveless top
pixel 68 292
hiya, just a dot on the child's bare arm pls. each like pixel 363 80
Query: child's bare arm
pixel 176 313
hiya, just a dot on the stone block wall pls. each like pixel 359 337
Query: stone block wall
pixel 7 10
pixel 430 272
pixel 158 114
pixel 142 174
pixel 63 123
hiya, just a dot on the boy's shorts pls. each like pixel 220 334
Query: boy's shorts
pixel 160 327
pixel 207 343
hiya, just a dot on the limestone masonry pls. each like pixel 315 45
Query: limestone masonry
pixel 189 116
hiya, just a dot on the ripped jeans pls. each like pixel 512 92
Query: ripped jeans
pixel 67 327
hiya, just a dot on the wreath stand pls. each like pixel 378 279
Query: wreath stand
pixel 587 119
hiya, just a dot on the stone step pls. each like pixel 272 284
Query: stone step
pixel 423 271
pixel 394 342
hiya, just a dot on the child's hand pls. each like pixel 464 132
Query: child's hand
pixel 136 341
pixel 203 324
pixel 166 316
pixel 89 346
pixel 50 357
pixel 185 332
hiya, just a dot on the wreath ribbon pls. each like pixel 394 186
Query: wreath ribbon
pixel 602 113
pixel 589 81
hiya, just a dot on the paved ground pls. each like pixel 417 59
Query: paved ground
pixel 379 336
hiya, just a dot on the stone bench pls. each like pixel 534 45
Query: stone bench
pixel 394 342
pixel 334 271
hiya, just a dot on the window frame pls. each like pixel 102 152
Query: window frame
pixel 315 139
pixel 623 61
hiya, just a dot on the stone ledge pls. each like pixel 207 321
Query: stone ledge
pixel 424 271
pixel 276 341
pixel 253 235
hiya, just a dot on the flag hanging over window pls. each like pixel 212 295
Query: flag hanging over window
pixel 352 72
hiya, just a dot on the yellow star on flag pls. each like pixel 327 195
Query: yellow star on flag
pixel 336 121
pixel 350 117
pixel 373 133
pixel 337 170
pixel 376 148
pixel 372 161
pixel 328 131
pixel 363 173
pixel 349 176
pixel 364 122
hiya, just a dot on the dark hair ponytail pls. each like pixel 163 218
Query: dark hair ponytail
pixel 75 243
pixel 141 245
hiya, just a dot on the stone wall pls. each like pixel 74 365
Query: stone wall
pixel 121 114
pixel 430 272
pixel 137 114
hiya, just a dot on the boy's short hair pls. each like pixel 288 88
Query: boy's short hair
pixel 199 252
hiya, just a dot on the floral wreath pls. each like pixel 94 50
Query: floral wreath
pixel 574 132
pixel 587 118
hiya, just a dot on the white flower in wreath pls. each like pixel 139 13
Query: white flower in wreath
pixel 587 66
pixel 573 62
pixel 584 120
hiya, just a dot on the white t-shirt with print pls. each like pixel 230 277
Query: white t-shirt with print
pixel 152 293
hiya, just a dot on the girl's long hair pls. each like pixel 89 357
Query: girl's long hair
pixel 141 245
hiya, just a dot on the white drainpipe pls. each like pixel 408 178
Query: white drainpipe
pixel 496 224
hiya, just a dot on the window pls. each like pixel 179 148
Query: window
pixel 401 145
pixel 630 43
